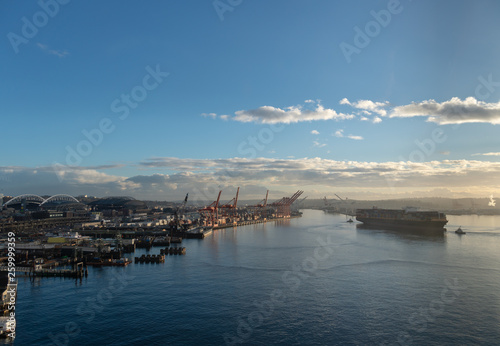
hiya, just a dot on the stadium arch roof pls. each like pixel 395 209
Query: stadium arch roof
pixel 61 198
pixel 40 200
pixel 25 197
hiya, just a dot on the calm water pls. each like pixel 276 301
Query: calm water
pixel 313 280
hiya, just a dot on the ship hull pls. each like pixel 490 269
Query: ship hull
pixel 410 224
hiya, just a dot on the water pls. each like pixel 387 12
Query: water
pixel 277 284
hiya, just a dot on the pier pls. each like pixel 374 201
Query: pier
pixel 253 222
pixel 78 272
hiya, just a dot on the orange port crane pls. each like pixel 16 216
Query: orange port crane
pixel 212 211
pixel 229 209
pixel 260 208
pixel 283 205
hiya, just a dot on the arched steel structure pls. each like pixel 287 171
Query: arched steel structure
pixel 26 197
pixel 41 200
pixel 60 198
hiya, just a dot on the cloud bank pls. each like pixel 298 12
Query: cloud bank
pixel 453 111
pixel 204 177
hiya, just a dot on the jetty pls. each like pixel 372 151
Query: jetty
pixel 78 272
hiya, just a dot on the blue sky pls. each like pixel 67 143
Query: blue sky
pixel 342 122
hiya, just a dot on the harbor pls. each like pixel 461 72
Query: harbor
pixel 61 236
pixel 68 235
pixel 233 172
pixel 362 265
pixel 127 238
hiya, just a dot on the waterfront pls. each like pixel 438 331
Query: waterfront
pixel 311 280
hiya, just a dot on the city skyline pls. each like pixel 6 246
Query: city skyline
pixel 370 100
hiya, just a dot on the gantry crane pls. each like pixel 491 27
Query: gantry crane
pixel 229 209
pixel 211 212
pixel 283 205
pixel 345 201
pixel 260 208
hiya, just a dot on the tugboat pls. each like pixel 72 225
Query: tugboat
pixel 459 230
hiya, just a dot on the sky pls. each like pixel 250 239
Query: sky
pixel 156 99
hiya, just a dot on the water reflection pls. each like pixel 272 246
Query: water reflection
pixel 425 234
pixel 282 223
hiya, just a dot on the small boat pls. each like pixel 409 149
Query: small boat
pixel 350 220
pixel 459 230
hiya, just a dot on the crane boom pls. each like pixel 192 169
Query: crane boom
pixel 339 197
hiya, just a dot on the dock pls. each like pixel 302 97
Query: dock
pixel 79 272
pixel 253 222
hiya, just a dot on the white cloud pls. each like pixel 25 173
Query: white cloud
pixel 367 106
pixel 487 154
pixel 357 138
pixel 315 132
pixel 59 53
pixel 375 120
pixel 340 134
pixel 293 114
pixel 453 111
pixel 318 144
pixel 211 115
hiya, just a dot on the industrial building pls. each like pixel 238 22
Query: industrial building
pixel 118 206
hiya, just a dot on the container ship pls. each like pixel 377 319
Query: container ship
pixel 401 218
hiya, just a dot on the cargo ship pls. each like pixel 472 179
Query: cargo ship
pixel 402 218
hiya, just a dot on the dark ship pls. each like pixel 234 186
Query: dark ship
pixel 401 218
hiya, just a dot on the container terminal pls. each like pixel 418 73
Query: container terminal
pixel 62 235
